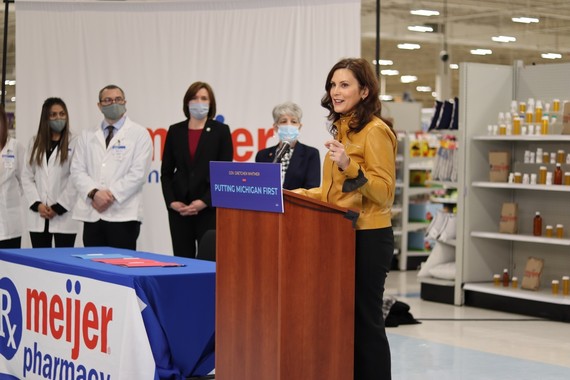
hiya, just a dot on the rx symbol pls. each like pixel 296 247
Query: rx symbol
pixel 5 307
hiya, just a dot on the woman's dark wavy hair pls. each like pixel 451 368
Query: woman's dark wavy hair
pixel 365 109
pixel 43 137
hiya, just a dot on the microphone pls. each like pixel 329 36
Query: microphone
pixel 285 146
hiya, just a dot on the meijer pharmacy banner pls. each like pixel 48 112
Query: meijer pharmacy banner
pixel 61 326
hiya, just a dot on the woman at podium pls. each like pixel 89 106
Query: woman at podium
pixel 300 163
pixel 359 174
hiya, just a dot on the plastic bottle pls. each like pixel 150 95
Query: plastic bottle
pixel 505 277
pixel 538 112
pixel 557 180
pixel 537 225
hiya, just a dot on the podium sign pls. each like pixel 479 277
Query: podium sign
pixel 246 186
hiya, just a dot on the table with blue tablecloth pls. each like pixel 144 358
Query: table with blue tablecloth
pixel 62 312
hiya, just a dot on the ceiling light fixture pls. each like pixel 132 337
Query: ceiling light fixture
pixel 386 98
pixel 454 66
pixel 384 62
pixel 408 78
pixel 423 89
pixel 525 20
pixel 504 39
pixel 407 46
pixel 424 12
pixel 551 55
pixel 481 52
pixel 420 28
pixel 389 72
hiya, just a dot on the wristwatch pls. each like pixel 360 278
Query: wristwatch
pixel 91 194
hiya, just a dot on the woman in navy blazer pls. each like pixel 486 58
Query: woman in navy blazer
pixel 185 173
pixel 302 164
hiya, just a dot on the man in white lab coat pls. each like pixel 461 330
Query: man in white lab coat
pixel 109 169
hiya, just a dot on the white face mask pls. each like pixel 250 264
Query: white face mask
pixel 288 133
pixel 198 110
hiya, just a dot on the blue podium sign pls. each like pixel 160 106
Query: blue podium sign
pixel 246 186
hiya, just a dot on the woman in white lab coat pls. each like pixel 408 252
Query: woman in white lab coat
pixel 11 162
pixel 49 193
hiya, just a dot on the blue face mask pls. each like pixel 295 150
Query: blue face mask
pixel 57 125
pixel 288 133
pixel 198 110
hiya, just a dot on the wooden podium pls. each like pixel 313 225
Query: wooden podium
pixel 285 292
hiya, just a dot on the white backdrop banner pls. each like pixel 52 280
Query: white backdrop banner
pixel 255 54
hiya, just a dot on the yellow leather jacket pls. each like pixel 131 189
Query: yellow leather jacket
pixel 370 178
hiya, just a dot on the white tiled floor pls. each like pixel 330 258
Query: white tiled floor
pixel 473 344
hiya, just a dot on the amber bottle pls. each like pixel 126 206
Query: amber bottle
pixel 557 180
pixel 505 277
pixel 537 225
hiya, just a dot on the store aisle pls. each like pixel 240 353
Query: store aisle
pixel 465 343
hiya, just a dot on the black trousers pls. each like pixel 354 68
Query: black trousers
pixel 374 251
pixel 186 231
pixel 111 234
pixel 44 239
pixel 11 243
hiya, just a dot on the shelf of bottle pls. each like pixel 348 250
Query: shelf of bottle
pixel 399 184
pixel 520 186
pixel 443 200
pixel 521 238
pixel 421 165
pixel 444 184
pixel 553 138
pixel 436 281
pixel 541 295
pixel 417 226
pixel 418 253
pixel 397 232
pixel 413 191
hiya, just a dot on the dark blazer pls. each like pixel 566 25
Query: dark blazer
pixel 304 169
pixel 185 180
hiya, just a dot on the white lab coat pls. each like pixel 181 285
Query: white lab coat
pixel 121 168
pixel 11 162
pixel 50 184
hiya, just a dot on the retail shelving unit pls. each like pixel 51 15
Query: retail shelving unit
pixel 435 289
pixel 408 258
pixel 398 206
pixel 487 90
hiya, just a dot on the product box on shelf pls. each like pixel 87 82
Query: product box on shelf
pixel 508 223
pixel 532 273
pixel 499 165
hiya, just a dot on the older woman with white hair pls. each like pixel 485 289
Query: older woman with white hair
pixel 300 163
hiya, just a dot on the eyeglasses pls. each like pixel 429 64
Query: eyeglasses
pixel 108 101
